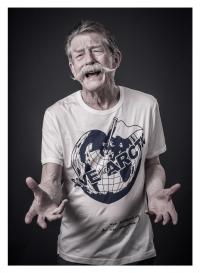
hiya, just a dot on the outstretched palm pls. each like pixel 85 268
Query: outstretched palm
pixel 43 206
pixel 160 204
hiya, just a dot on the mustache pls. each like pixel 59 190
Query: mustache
pixel 94 68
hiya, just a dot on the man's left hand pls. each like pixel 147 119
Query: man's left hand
pixel 160 204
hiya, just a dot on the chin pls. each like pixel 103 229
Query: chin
pixel 93 85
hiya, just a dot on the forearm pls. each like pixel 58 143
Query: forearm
pixel 154 176
pixel 51 181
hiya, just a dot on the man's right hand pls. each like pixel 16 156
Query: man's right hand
pixel 43 206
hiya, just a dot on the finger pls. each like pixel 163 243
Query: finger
pixel 32 184
pixel 30 215
pixel 41 221
pixel 166 218
pixel 61 207
pixel 174 216
pixel 174 189
pixel 158 218
pixel 54 217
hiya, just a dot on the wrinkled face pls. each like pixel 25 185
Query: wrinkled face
pixel 86 50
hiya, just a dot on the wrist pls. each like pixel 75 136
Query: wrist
pixel 153 192
pixel 54 194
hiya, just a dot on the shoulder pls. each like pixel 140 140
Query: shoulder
pixel 138 97
pixel 62 104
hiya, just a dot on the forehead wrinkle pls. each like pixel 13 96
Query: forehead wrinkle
pixel 88 47
pixel 87 40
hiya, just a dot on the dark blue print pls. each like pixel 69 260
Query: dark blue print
pixel 107 165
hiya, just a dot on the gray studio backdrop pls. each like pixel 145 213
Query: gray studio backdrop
pixel 157 58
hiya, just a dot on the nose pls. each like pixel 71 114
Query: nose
pixel 89 58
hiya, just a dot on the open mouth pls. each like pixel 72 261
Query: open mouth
pixel 91 74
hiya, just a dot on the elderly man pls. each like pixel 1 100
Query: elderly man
pixel 101 171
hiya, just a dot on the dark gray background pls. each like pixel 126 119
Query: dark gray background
pixel 157 58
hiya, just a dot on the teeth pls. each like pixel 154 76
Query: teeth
pixel 92 73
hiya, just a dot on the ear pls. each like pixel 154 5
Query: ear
pixel 72 67
pixel 117 59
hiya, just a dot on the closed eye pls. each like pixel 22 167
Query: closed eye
pixel 97 49
pixel 79 55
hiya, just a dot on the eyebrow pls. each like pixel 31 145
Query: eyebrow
pixel 78 50
pixel 96 46
pixel 92 47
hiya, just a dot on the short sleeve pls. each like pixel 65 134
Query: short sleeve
pixel 51 142
pixel 156 145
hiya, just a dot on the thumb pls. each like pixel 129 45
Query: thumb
pixel 61 207
pixel 174 189
pixel 32 184
pixel 149 212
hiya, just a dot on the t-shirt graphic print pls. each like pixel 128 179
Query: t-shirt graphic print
pixel 107 165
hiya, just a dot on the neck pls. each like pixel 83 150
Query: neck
pixel 101 99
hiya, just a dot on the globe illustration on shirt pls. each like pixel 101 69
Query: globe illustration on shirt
pixel 107 165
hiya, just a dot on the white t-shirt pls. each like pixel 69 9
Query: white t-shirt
pixel 103 154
